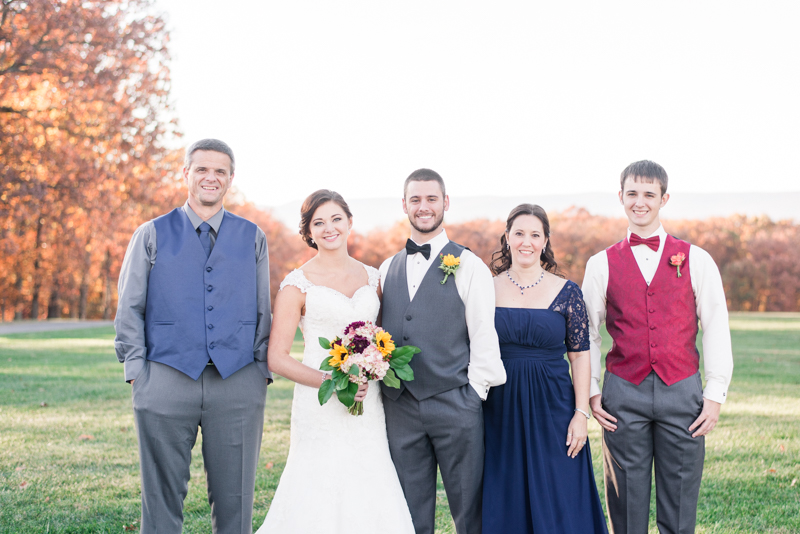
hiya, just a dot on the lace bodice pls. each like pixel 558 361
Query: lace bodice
pixel 563 326
pixel 329 311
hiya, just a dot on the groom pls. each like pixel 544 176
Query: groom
pixel 438 417
pixel 192 327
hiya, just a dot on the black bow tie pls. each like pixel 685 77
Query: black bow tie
pixel 412 248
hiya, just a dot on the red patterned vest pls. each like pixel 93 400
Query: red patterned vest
pixel 653 327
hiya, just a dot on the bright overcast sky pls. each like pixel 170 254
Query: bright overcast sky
pixel 501 98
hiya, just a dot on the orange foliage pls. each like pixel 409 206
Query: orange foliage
pixel 759 259
pixel 84 118
pixel 83 115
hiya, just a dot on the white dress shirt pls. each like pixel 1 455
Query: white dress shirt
pixel 476 289
pixel 709 298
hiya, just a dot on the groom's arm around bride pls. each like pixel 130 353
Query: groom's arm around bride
pixel 438 418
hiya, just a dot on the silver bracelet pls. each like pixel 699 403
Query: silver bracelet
pixel 584 413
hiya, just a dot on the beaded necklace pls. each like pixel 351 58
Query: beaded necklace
pixel 523 288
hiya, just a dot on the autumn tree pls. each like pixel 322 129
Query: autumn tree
pixel 85 122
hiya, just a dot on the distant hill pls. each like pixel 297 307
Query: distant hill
pixel 369 213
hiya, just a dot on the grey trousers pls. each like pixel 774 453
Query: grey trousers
pixel 168 408
pixel 653 422
pixel 446 429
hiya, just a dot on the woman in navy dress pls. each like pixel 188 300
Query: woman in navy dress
pixel 538 475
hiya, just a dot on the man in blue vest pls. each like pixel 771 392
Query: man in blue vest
pixel 192 326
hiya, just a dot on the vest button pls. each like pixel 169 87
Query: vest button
pixel 405 338
pixel 652 327
pixel 209 288
pixel 653 361
pixel 649 292
pixel 208 269
pixel 211 346
pixel 651 310
pixel 651 344
pixel 211 327
pixel 212 307
pixel 408 317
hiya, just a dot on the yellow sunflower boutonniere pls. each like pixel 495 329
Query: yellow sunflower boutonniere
pixel 449 265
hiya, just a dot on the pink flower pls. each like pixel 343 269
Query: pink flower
pixel 677 260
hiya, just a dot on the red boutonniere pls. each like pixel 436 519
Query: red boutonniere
pixel 677 260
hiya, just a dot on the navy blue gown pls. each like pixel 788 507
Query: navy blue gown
pixel 530 485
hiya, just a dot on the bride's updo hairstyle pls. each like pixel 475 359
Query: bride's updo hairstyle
pixel 310 205
pixel 501 260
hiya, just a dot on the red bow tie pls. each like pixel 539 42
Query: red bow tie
pixel 651 242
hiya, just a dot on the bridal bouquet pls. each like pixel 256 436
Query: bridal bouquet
pixel 363 352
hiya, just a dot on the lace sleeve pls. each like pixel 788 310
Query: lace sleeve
pixel 297 279
pixel 374 276
pixel 577 320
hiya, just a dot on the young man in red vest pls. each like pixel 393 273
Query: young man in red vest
pixel 651 289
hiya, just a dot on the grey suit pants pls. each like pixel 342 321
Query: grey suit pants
pixel 446 429
pixel 653 422
pixel 168 408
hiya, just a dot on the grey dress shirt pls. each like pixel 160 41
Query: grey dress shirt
pixel 132 294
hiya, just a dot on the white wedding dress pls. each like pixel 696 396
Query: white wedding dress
pixel 339 476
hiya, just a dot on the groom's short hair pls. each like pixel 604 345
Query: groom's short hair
pixel 424 175
pixel 645 171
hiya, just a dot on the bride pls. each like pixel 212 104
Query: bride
pixel 339 475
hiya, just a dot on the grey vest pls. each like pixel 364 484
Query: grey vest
pixel 434 321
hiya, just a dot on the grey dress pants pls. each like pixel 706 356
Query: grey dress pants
pixel 168 408
pixel 444 430
pixel 653 422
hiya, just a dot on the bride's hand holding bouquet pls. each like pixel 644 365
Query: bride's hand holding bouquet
pixel 363 352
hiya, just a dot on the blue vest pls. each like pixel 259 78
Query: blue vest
pixel 202 309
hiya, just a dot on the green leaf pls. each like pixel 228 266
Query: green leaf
pixel 405 373
pixel 324 343
pixel 391 379
pixel 347 396
pixel 342 381
pixel 406 353
pixel 354 370
pixel 325 366
pixel 325 391
pixel 400 351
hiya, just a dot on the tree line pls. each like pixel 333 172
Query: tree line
pixel 758 258
pixel 86 155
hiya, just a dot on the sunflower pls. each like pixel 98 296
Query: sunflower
pixel 451 261
pixel 384 342
pixel 338 356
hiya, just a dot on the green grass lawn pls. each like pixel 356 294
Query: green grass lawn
pixel 69 463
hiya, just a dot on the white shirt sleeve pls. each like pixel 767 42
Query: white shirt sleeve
pixel 595 285
pixel 476 289
pixel 712 310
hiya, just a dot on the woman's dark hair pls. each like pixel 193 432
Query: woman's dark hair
pixel 310 205
pixel 501 260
